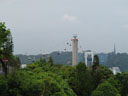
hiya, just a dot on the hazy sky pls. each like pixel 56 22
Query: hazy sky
pixel 43 26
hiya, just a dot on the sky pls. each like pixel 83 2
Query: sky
pixel 44 26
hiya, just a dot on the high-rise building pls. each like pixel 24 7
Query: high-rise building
pixel 74 50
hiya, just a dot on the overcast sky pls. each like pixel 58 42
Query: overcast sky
pixel 43 26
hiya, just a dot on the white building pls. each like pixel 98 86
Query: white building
pixel 115 70
pixel 23 65
pixel 88 56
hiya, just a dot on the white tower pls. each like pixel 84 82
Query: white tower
pixel 74 50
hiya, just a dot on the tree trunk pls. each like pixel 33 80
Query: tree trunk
pixel 4 67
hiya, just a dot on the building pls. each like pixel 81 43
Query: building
pixel 23 65
pixel 115 70
pixel 74 50
pixel 88 57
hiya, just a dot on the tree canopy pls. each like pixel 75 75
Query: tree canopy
pixel 105 89
pixel 6 43
pixel 6 46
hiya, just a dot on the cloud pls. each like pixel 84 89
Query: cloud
pixel 125 26
pixel 69 18
pixel 8 1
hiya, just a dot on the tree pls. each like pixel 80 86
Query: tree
pixel 28 83
pixel 6 46
pixel 105 89
pixel 14 63
pixel 83 80
pixel 114 82
pixel 42 60
pixel 102 73
pixel 95 63
pixel 50 60
pixel 123 81
pixel 3 86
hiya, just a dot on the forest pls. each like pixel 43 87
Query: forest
pixel 47 79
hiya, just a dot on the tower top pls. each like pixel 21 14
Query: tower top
pixel 75 36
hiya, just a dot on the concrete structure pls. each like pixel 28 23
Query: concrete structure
pixel 74 50
pixel 88 56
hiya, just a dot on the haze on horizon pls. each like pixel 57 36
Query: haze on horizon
pixel 43 26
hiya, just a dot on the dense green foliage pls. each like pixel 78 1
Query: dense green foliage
pixel 83 80
pixel 8 61
pixel 6 44
pixel 105 89
pixel 39 79
pixel 42 79
pixel 123 82
pixel 3 86
pixel 37 84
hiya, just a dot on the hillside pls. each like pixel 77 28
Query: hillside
pixel 110 60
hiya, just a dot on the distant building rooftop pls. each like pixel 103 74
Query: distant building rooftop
pixel 23 65
pixel 115 70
